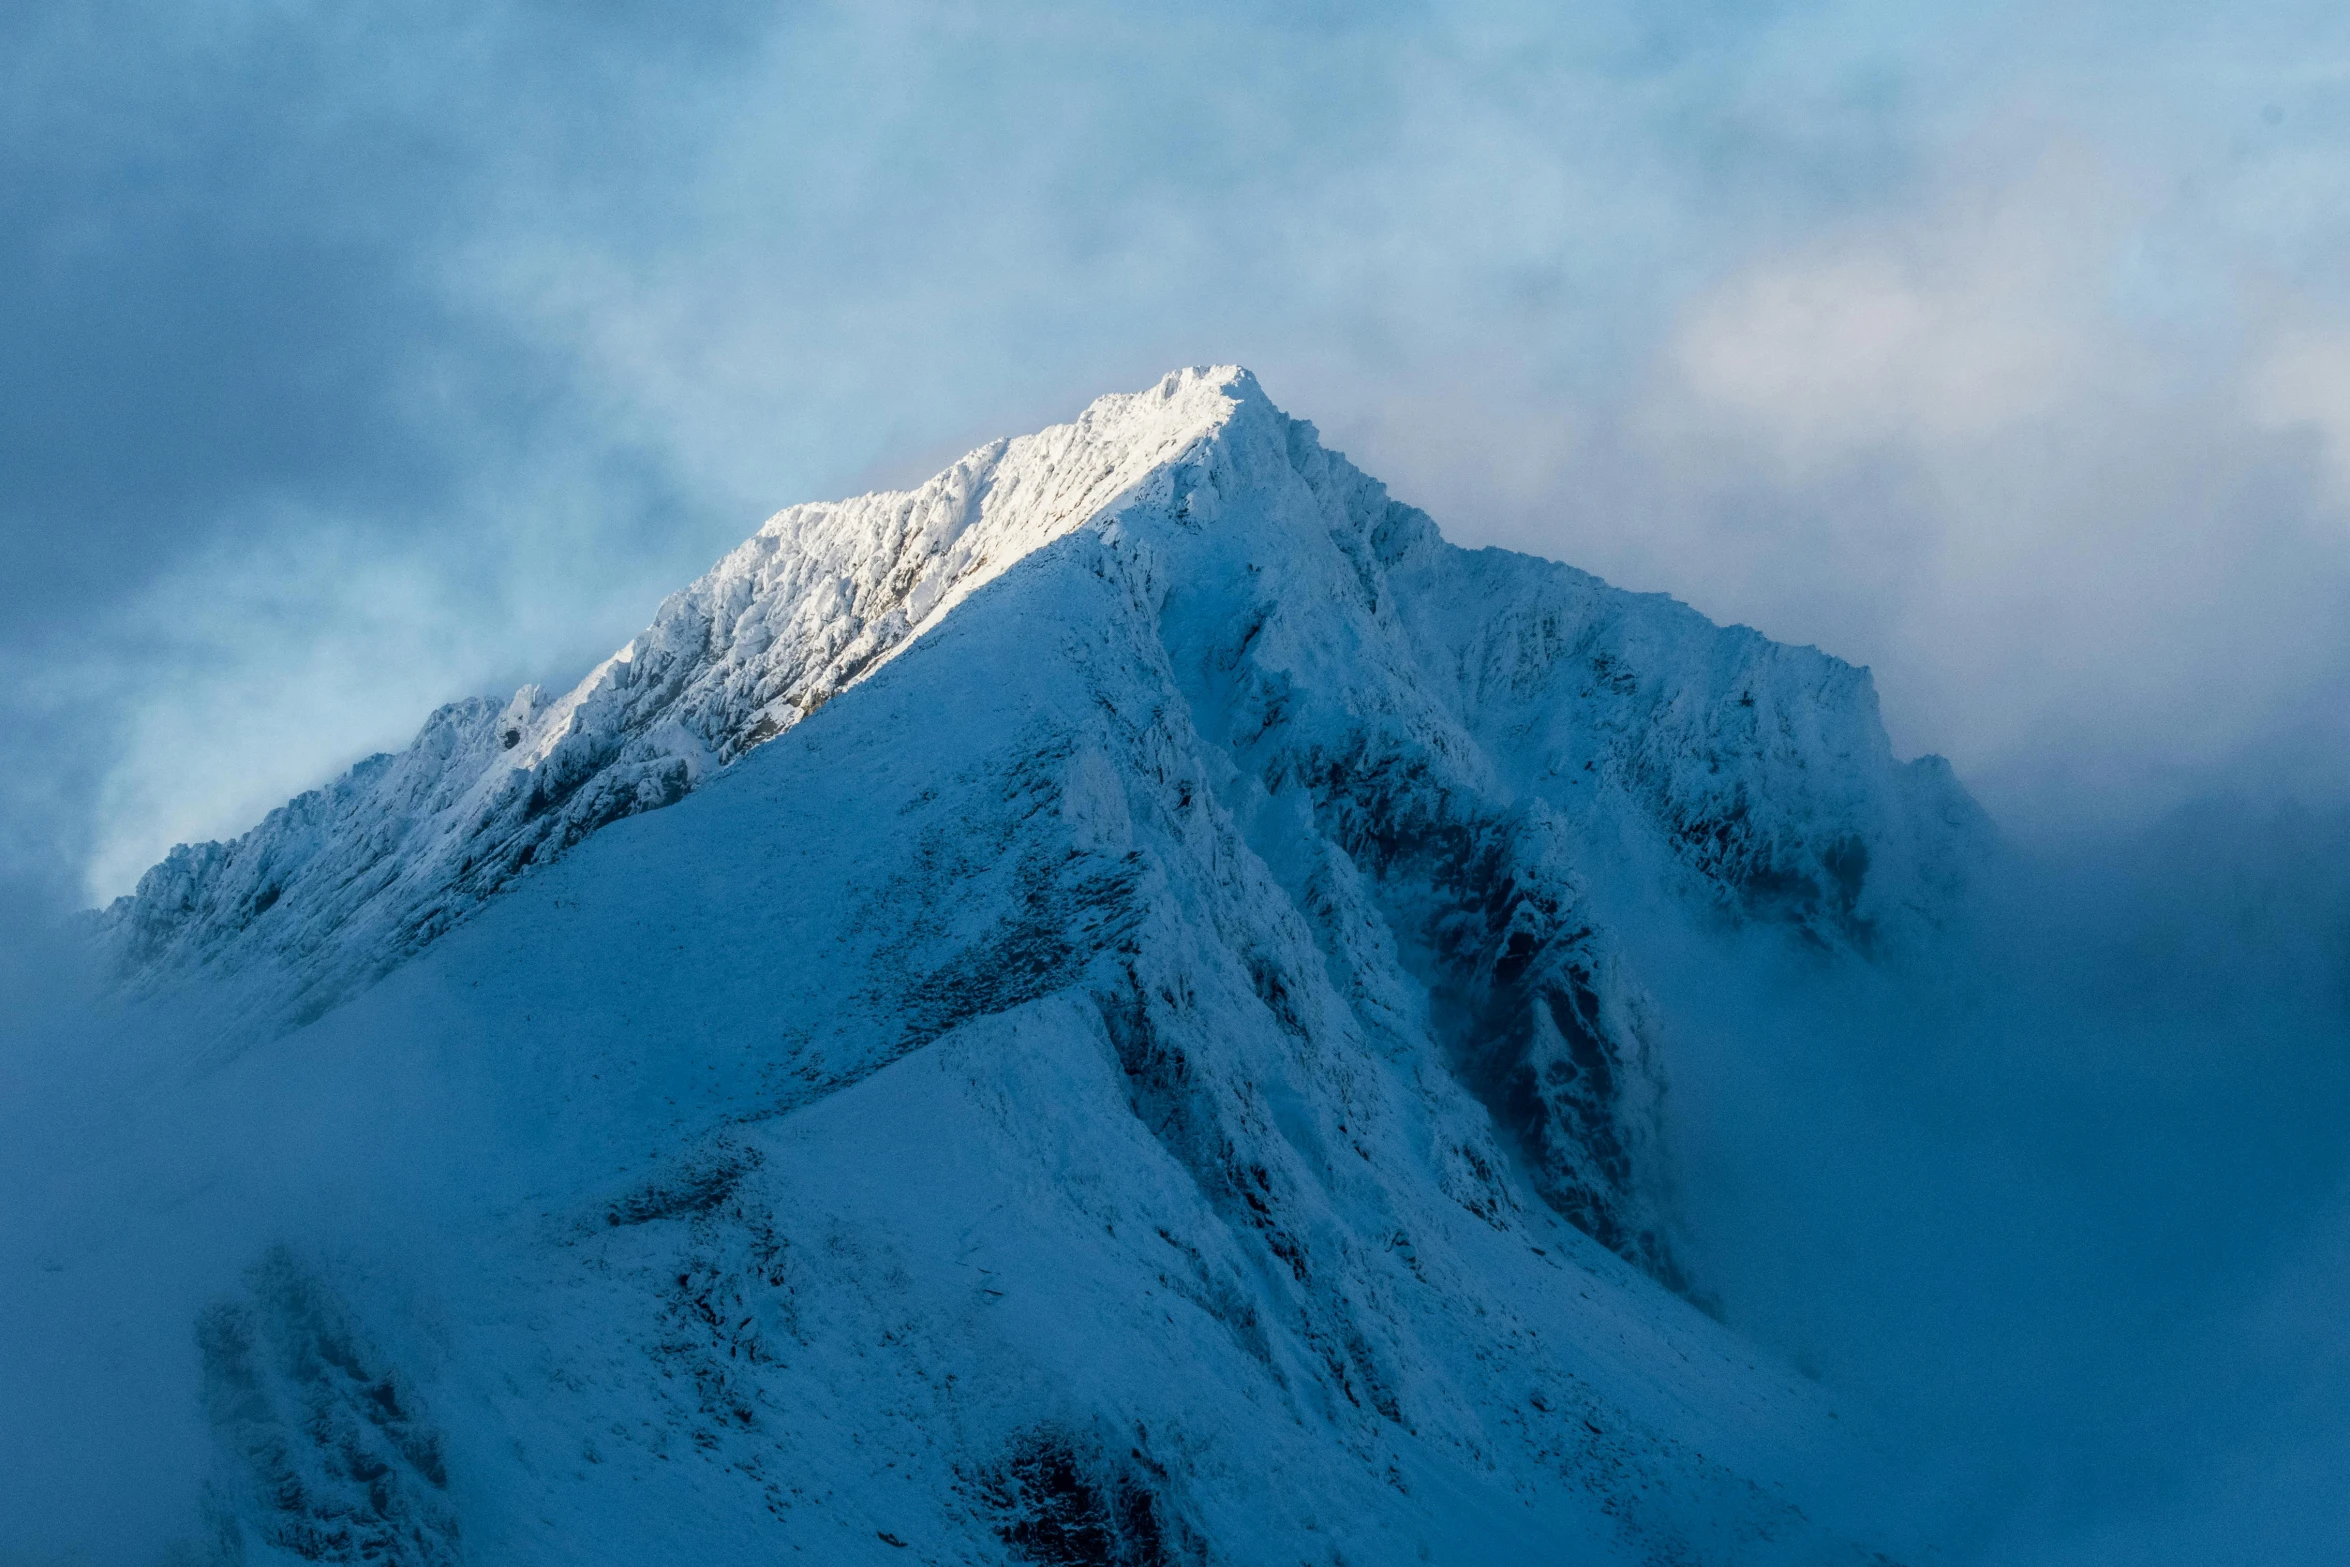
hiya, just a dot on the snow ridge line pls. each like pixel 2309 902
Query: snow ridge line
pixel 345 882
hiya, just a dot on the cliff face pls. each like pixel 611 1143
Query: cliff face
pixel 1126 1013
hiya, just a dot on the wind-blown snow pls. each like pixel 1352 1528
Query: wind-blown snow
pixel 1148 1073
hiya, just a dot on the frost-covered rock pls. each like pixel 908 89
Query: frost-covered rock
pixel 1154 1047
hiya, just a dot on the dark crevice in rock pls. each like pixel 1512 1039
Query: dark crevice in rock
pixel 1511 964
pixel 1058 1499
pixel 326 1453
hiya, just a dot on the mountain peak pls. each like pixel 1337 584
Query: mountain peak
pixel 347 881
pixel 1136 923
pixel 820 596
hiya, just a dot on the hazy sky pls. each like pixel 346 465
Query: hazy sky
pixel 360 365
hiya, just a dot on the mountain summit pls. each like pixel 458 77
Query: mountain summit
pixel 1078 1013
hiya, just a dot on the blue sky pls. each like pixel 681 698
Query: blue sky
pixel 361 366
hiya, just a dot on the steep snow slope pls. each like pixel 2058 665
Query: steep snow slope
pixel 1113 1086
pixel 945 1138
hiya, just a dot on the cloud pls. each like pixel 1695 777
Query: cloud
pixel 1993 357
pixel 2302 386
pixel 1938 330
pixel 2016 443
pixel 2067 1213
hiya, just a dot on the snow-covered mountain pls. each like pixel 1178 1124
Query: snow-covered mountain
pixel 1107 1040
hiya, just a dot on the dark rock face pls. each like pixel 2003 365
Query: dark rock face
pixel 335 1457
pixel 1059 1500
pixel 1514 962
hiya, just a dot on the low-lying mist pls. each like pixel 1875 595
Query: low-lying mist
pixel 146 1168
pixel 2063 1201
